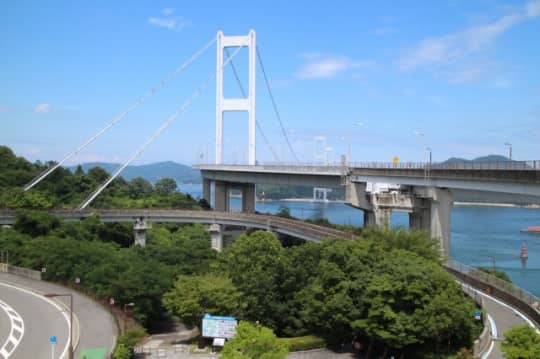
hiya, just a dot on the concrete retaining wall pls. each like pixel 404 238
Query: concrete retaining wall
pixel 23 272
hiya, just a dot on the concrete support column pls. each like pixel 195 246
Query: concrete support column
pixel 216 236
pixel 420 217
pixel 139 231
pixel 207 189
pixel 248 198
pixel 221 196
pixel 433 213
pixel 441 210
pixel 379 217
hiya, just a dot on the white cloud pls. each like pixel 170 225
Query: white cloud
pixel 167 11
pixel 533 8
pixel 445 49
pixel 169 21
pixel 43 108
pixel 322 67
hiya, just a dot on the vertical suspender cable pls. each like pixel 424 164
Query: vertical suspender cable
pixel 276 157
pixel 275 106
pixel 153 137
pixel 141 99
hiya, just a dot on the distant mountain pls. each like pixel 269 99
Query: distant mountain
pixel 488 158
pixel 151 172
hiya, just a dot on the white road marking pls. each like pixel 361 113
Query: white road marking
pixel 51 302
pixel 16 332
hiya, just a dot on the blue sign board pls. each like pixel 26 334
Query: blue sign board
pixel 214 326
pixel 478 315
pixel 52 339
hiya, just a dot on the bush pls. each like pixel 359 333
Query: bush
pixel 307 342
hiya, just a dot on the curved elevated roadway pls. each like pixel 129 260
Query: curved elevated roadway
pixel 299 229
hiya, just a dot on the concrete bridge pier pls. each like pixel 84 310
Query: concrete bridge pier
pixel 221 195
pixel 433 213
pixel 207 189
pixel 216 236
pixel 379 217
pixel 139 231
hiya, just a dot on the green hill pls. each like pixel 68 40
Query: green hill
pixel 151 172
pixel 488 158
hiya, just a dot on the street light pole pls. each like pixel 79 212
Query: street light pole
pixel 125 314
pixel 493 261
pixel 509 150
pixel 52 295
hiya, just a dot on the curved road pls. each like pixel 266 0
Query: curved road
pixel 29 320
pixel 97 327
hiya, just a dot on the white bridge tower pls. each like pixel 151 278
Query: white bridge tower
pixel 235 104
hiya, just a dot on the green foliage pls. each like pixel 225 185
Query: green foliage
pixel 63 188
pixel 132 336
pixel 35 223
pixel 254 342
pixel 521 342
pixel 193 296
pixel 77 250
pixel 165 186
pixel 497 273
pixel 256 264
pixel 122 352
pixel 307 342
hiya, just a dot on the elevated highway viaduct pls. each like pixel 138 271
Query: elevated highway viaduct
pixel 427 191
pixel 216 219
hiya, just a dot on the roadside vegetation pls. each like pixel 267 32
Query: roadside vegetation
pixel 521 342
pixel 385 290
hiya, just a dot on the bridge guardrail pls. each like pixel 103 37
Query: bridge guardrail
pixel 509 293
pixel 533 165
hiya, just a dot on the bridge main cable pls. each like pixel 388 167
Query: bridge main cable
pixel 274 105
pixel 259 127
pixel 155 135
pixel 136 104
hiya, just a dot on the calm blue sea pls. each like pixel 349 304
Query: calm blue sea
pixel 478 233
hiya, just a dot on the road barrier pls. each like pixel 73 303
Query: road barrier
pixel 507 292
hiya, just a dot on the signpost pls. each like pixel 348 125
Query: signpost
pixel 218 327
pixel 478 315
pixel 53 342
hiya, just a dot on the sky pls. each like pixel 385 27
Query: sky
pixel 376 79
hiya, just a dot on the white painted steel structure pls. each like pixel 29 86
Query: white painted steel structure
pixel 235 104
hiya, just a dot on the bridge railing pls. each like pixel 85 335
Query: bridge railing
pixel 519 298
pixel 319 166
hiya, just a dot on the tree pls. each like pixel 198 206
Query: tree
pixel 35 223
pixel 254 342
pixel 521 342
pixel 193 296
pixel 256 264
pixel 165 186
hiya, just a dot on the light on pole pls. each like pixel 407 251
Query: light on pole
pixel 125 314
pixel 429 151
pixel 509 149
pixel 493 261
pixel 52 295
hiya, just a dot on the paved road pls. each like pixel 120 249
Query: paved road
pixel 98 328
pixel 5 326
pixel 41 317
